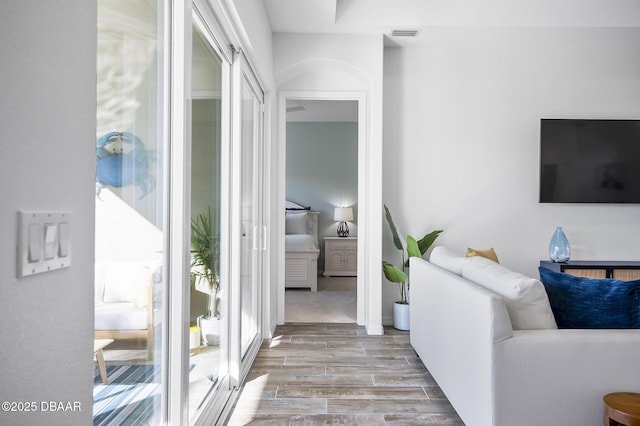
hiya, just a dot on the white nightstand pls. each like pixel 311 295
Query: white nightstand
pixel 340 256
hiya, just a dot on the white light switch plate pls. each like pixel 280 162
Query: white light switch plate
pixel 44 242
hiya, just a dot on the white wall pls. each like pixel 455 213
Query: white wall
pixel 461 138
pixel 254 32
pixel 47 157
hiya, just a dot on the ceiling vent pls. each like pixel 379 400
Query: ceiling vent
pixel 404 33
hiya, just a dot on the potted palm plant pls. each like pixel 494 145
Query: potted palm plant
pixel 398 274
pixel 205 272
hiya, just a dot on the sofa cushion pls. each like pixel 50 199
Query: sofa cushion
pixel 446 259
pixel 119 316
pixel 126 282
pixel 592 303
pixel 525 297
pixel 488 253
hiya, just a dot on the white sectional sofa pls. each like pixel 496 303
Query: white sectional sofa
pixel 497 374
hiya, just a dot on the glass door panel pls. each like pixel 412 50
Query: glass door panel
pixel 129 213
pixel 251 138
pixel 208 365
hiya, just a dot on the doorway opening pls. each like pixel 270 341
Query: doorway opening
pixel 321 184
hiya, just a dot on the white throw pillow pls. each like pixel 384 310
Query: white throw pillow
pixel 296 223
pixel 526 299
pixel 445 258
pixel 126 282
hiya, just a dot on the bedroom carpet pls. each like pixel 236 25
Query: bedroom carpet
pixel 335 301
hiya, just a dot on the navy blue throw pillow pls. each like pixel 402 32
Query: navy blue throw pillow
pixel 579 302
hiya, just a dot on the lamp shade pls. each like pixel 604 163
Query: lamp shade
pixel 343 214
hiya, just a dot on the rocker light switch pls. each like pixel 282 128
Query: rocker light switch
pixel 63 239
pixel 50 233
pixel 44 242
pixel 34 242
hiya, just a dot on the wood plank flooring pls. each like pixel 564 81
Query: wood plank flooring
pixel 314 374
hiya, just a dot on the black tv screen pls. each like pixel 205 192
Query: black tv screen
pixel 589 161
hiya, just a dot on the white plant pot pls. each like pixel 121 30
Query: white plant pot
pixel 401 316
pixel 210 330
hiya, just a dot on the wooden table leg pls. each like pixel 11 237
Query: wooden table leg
pixel 101 367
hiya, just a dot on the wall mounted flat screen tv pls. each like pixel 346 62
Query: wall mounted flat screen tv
pixel 589 161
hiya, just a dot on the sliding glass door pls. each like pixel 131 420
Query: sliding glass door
pixel 179 232
pixel 226 196
pixel 250 256
pixel 130 214
pixel 249 136
pixel 209 287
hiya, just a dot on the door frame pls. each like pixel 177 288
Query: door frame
pixel 364 197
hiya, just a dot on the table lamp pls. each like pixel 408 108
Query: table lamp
pixel 343 215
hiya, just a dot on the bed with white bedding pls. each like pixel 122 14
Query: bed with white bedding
pixel 301 247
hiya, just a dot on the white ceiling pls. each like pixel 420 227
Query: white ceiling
pixel 381 16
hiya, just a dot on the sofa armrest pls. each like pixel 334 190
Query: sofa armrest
pixel 454 325
pixel 541 376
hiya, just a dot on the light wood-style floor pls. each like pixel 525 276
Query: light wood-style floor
pixel 336 374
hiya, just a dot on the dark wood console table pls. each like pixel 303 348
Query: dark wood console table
pixel 621 270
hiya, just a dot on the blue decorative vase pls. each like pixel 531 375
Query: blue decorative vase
pixel 559 248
